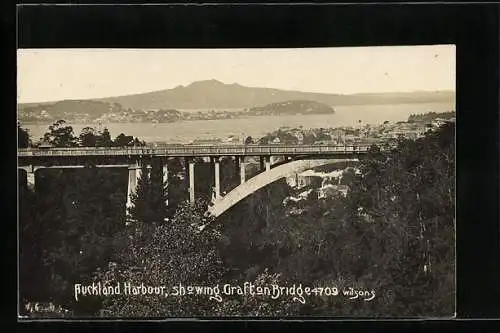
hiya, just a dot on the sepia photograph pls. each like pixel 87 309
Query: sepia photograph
pixel 249 183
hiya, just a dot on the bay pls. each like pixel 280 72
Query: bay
pixel 186 131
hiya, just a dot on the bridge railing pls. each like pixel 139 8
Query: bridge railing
pixel 193 150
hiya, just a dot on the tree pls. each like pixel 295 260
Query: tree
pixel 60 135
pixel 23 137
pixel 264 141
pixel 88 137
pixel 408 197
pixel 347 176
pixel 104 139
pixel 149 200
pixel 68 226
pixel 80 212
pixel 138 142
pixel 30 249
pixel 323 137
pixel 248 140
pixel 123 140
pixel 167 254
pixel 259 305
pixel 393 233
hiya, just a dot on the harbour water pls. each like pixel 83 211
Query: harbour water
pixel 185 131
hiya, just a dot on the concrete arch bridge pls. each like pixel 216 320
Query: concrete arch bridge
pixel 288 159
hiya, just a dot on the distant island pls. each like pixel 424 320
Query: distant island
pixel 291 107
pixel 211 99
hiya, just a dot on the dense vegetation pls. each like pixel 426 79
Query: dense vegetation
pixel 393 233
pixel 59 110
pixel 23 137
pixel 286 136
pixel 61 135
pixel 430 116
pixel 68 224
pixel 291 108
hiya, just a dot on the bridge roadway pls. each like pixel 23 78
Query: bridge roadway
pixel 195 150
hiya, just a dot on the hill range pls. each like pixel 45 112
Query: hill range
pixel 213 94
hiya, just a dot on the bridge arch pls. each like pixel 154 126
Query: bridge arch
pixel 263 179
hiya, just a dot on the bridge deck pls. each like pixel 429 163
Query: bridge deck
pixel 198 150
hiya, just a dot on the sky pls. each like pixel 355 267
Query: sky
pixel 58 74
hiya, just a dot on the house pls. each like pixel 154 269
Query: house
pixel 330 190
pixel 304 179
pixel 299 136
pixel 438 122
pixel 292 181
pixel 309 136
pixel 326 191
pixel 337 133
pixel 296 199
pixel 230 138
pixel 398 134
pixel 206 141
pixel 323 142
pixel 350 137
pixel 45 145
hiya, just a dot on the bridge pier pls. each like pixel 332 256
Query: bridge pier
pixel 265 160
pixel 191 180
pixel 242 166
pixel 217 177
pixel 30 176
pixel 133 176
pixel 30 180
pixel 165 177
pixel 149 168
pixel 236 160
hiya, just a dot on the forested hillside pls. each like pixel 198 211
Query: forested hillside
pixel 62 109
pixel 291 108
pixel 391 236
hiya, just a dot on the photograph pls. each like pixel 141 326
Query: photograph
pixel 164 183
